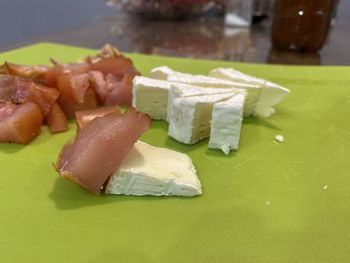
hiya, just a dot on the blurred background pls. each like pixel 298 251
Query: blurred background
pixel 228 30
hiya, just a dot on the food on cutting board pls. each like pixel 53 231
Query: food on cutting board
pixel 225 124
pixel 279 138
pixel 105 156
pixel 100 148
pixel 83 118
pixel 270 93
pixel 151 96
pixel 190 111
pixel 19 123
pixel 261 94
pixel 198 106
pixel 149 170
pixel 62 89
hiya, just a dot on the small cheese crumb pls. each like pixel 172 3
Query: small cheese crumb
pixel 279 138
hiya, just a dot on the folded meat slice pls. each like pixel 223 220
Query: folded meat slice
pixel 84 117
pixel 99 149
pixel 19 123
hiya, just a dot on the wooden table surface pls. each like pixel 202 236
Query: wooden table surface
pixel 92 24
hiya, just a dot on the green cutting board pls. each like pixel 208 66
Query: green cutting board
pixel 267 202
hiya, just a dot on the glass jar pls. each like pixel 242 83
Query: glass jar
pixel 301 25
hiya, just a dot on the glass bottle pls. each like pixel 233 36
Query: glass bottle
pixel 301 25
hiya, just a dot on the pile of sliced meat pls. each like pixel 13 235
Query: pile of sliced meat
pixel 33 95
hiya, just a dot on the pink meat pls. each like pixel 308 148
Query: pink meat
pixel 69 107
pixel 56 119
pixel 100 148
pixel 19 90
pixel 118 66
pixel 24 70
pixel 99 84
pixel 83 118
pixel 73 87
pixel 19 123
pixel 6 88
pixel 121 93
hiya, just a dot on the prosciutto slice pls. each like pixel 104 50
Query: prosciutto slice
pixel 69 107
pixel 121 94
pixel 19 123
pixel 99 149
pixel 83 118
pixel 56 119
pixel 19 90
pixel 23 70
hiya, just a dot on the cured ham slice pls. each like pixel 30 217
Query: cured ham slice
pixel 50 77
pixel 121 94
pixel 83 118
pixel 56 119
pixel 19 123
pixel 20 90
pixel 99 149
pixel 98 82
pixel 73 87
pixel 6 88
pixel 111 90
pixel 69 107
pixel 118 66
pixel 23 70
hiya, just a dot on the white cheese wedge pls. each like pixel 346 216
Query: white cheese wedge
pixel 149 170
pixel 151 96
pixel 189 116
pixel 271 94
pixel 253 90
pixel 226 122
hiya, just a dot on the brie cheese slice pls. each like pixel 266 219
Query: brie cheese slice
pixel 149 170
pixel 270 95
pixel 226 122
pixel 189 116
pixel 150 96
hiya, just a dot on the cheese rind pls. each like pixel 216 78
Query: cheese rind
pixel 226 121
pixel 149 170
pixel 151 96
pixel 270 93
pixel 189 116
